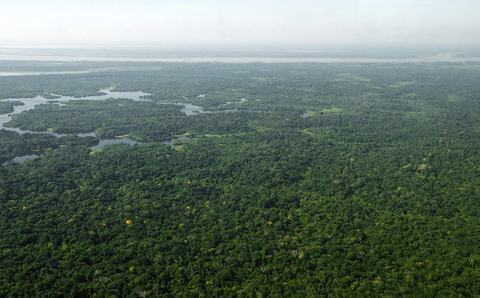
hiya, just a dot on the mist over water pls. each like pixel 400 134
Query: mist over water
pixel 237 55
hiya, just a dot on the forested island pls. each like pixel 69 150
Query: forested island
pixel 283 179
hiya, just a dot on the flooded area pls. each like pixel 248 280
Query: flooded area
pixel 104 94
pixel 31 103
pixel 21 159
pixel 107 142
pixel 38 73
pixel 189 109
pixel 443 57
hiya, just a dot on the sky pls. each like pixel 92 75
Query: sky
pixel 43 23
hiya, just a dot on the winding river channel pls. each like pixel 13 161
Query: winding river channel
pixel 109 93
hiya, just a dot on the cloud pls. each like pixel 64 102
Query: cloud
pixel 147 22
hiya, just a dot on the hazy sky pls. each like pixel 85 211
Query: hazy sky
pixel 177 22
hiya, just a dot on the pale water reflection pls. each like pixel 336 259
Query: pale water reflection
pixel 104 94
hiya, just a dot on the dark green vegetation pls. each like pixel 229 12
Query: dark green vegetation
pixel 337 180
pixel 13 144
pixel 7 106
pixel 141 120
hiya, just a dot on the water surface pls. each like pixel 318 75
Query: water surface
pixel 38 73
pixel 444 57
pixel 104 94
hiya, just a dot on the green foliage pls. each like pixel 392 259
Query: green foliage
pixel 374 193
pixel 12 144
pixel 7 106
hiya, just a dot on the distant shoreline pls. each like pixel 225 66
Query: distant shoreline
pixel 65 58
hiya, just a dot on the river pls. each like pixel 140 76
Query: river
pixel 443 57
pixel 108 93
pixel 38 73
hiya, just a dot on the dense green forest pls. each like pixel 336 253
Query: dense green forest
pixel 296 179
